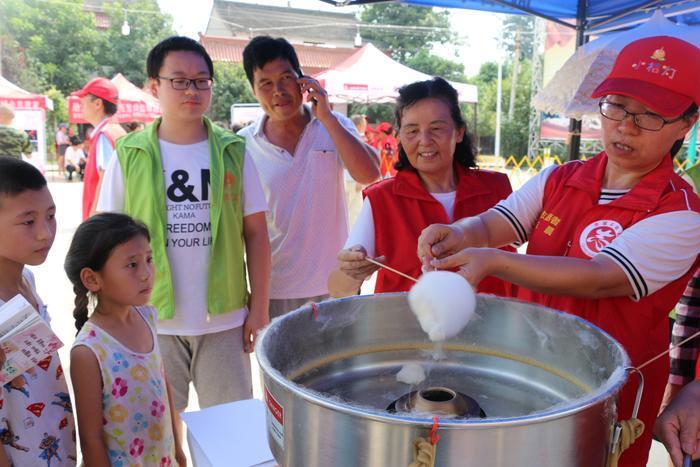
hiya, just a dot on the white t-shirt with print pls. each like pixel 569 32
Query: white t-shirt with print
pixel 187 192
pixel 307 218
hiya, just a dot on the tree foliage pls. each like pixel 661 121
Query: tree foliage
pixel 518 28
pixel 127 54
pixel 436 66
pixel 57 42
pixel 230 87
pixel 47 44
pixel 514 133
pixel 404 43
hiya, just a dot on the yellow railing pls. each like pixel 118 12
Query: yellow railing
pixel 525 163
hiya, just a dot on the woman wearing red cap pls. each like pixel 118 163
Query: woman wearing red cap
pixel 613 239
pixel 436 181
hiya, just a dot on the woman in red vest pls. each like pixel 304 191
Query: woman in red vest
pixel 436 181
pixel 614 239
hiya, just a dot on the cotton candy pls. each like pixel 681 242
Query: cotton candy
pixel 411 373
pixel 443 302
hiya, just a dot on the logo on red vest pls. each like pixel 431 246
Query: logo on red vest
pixel 598 235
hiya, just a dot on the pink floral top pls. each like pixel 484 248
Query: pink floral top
pixel 137 425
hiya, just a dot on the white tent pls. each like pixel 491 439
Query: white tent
pixel 30 116
pixel 369 75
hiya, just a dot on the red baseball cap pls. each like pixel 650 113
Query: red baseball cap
pixel 661 72
pixel 100 87
pixel 385 127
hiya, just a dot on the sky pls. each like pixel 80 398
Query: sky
pixel 478 29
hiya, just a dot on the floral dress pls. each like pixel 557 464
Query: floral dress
pixel 137 422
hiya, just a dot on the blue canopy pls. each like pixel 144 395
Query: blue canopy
pixel 587 17
pixel 592 16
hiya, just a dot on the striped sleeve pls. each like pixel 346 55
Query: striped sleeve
pixel 523 207
pixel 657 250
pixel 684 358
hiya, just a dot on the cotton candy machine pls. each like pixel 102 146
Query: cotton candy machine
pixel 521 385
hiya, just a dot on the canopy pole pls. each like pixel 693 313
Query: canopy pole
pixel 575 125
pixel 692 146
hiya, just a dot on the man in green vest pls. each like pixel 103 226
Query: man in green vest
pixel 192 183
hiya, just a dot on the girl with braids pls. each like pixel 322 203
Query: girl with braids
pixel 122 397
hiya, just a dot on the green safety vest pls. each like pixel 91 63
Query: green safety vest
pixel 144 199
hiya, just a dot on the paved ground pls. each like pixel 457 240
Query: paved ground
pixel 56 291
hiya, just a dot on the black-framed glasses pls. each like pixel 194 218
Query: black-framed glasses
pixel 644 120
pixel 180 84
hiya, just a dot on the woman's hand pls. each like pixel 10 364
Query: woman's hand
pixel 437 241
pixel 471 263
pixel 678 427
pixel 352 263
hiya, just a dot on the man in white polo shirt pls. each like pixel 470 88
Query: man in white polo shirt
pixel 300 152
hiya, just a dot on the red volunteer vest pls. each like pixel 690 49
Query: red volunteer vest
pixel 402 208
pixel 573 224
pixel 92 177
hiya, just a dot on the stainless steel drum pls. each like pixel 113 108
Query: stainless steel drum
pixel 547 383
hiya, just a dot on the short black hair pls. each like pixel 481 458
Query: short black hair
pixel 436 88
pixel 110 108
pixel 263 49
pixel 157 55
pixel 17 176
pixel 691 111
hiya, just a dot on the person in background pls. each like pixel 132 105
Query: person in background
pixel 98 99
pixel 13 142
pixel 62 143
pixel 387 146
pixel 614 239
pixel 300 151
pixel 353 190
pixel 436 181
pixel 75 158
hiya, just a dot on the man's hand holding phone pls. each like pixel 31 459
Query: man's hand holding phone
pixel 317 96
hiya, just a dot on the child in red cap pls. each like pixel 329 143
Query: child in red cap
pixel 614 239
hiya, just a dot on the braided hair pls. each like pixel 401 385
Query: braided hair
pixel 91 247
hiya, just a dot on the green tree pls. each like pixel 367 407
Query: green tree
pixel 437 66
pixel 405 43
pixel 230 87
pixel 58 40
pixel 127 54
pixel 514 133
pixel 518 29
pixel 375 113
pixel 16 68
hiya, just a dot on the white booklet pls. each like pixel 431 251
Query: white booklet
pixel 25 338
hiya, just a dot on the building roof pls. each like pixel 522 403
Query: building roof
pixel 312 58
pixel 230 18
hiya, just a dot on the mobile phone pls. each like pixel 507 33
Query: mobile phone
pixel 304 75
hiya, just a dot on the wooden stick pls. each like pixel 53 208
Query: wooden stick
pixel 668 350
pixel 382 265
